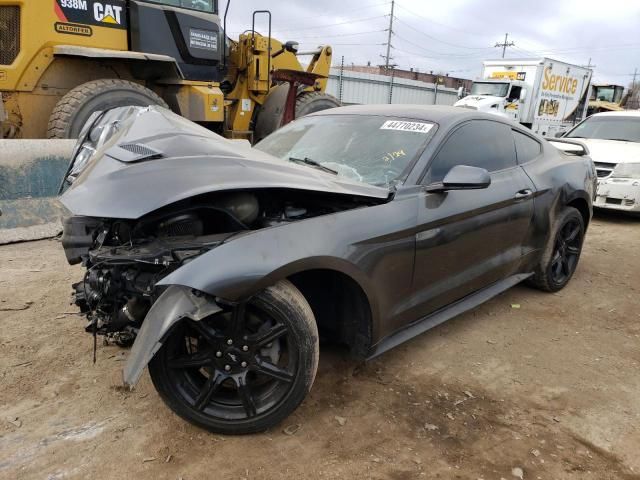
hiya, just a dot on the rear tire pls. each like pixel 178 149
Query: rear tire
pixel 243 370
pixel 561 255
pixel 75 108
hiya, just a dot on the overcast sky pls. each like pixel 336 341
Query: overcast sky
pixel 454 36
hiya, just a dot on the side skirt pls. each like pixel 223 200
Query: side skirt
pixel 446 313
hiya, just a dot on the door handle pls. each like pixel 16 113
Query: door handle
pixel 522 194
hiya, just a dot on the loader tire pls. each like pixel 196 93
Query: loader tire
pixel 270 115
pixel 310 102
pixel 75 108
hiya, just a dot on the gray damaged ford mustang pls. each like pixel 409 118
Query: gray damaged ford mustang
pixel 223 265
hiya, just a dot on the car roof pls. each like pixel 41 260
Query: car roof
pixel 623 113
pixel 440 114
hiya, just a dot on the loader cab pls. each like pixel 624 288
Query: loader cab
pixel 188 30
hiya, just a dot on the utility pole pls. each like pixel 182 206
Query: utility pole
pixel 505 44
pixel 387 57
pixel 633 97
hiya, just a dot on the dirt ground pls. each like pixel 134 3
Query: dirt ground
pixel 529 385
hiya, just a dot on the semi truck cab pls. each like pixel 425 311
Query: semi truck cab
pixel 503 97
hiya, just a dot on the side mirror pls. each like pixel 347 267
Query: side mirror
pixel 559 134
pixel 462 177
pixel 523 94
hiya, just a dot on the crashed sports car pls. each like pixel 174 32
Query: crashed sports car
pixel 225 264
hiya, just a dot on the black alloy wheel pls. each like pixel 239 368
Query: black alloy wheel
pixel 567 251
pixel 560 258
pixel 244 369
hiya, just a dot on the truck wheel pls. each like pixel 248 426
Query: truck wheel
pixel 309 102
pixel 561 255
pixel 75 108
pixel 243 370
pixel 270 115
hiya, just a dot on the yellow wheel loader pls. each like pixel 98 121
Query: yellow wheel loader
pixel 605 98
pixel 62 60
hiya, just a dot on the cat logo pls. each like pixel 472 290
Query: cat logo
pixel 107 13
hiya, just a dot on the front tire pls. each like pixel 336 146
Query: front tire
pixel 242 370
pixel 561 255
pixel 74 109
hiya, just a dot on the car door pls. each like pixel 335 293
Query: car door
pixel 469 239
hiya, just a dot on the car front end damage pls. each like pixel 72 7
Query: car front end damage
pixel 620 192
pixel 150 193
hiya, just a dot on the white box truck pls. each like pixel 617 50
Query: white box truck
pixel 546 95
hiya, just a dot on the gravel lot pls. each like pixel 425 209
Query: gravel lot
pixel 529 385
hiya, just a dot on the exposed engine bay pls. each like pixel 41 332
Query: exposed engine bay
pixel 126 258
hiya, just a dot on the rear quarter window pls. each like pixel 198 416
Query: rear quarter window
pixel 526 147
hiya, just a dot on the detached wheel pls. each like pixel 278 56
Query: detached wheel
pixel 75 108
pixel 562 253
pixel 243 370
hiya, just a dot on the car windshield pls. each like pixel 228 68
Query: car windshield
pixel 490 88
pixel 608 127
pixel 605 94
pixel 370 149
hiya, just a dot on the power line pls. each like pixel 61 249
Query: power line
pixel 341 34
pixel 441 24
pixel 348 44
pixel 437 39
pixel 419 55
pixel 356 20
pixel 341 13
pixel 584 49
pixel 443 54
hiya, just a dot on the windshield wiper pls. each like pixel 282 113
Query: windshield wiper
pixel 313 163
pixel 619 139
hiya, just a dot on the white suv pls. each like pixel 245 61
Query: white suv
pixel 613 139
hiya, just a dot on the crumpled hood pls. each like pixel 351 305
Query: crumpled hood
pixel 612 151
pixel 192 161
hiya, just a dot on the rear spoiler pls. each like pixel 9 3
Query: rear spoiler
pixel 579 148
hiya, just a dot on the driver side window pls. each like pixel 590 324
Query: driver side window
pixel 514 95
pixel 479 143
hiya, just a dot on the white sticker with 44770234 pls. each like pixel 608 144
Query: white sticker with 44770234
pixel 418 127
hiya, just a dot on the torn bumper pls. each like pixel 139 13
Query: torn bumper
pixel 176 303
pixel 618 194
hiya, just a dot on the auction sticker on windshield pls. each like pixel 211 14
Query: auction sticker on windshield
pixel 419 127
